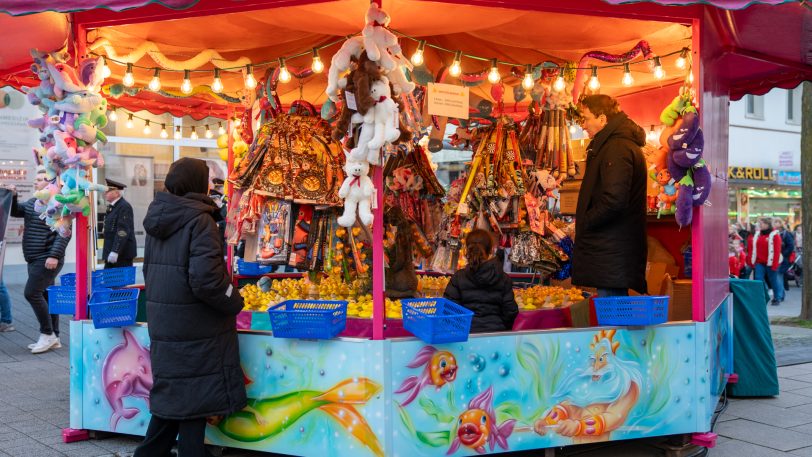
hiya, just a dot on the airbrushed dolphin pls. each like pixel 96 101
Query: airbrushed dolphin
pixel 127 372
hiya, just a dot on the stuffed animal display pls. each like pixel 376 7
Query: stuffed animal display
pixel 367 76
pixel 73 114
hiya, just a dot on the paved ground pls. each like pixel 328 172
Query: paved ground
pixel 34 401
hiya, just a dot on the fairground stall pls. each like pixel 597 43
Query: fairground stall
pixel 332 173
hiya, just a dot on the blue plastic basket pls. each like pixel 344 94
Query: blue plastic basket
pixel 68 279
pixel 313 319
pixel 253 269
pixel 436 320
pixel 113 307
pixel 62 299
pixel 108 278
pixel 637 310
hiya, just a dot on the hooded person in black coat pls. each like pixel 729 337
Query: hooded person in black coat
pixel 610 223
pixel 483 287
pixel 191 312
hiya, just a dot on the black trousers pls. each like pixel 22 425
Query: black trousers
pixel 39 279
pixel 161 435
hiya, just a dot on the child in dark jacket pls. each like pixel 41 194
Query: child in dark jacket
pixel 483 287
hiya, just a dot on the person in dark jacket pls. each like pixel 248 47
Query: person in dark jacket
pixel 610 223
pixel 401 277
pixel 44 251
pixel 483 286
pixel 191 315
pixel 119 229
pixel 787 251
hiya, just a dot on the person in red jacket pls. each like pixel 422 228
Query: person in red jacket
pixel 764 256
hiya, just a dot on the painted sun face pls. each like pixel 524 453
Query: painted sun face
pixel 473 428
pixel 443 368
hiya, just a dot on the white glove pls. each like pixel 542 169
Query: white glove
pixel 112 257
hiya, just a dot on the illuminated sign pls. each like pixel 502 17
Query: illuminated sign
pixel 751 174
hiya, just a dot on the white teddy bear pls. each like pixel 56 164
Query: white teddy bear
pixel 385 117
pixel 357 192
pixel 340 63
pixel 378 40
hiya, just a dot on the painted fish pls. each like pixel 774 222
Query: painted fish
pixel 440 369
pixel 127 372
pixel 477 426
pixel 267 417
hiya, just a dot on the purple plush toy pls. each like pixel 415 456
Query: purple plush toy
pixel 702 184
pixel 687 142
pixel 685 210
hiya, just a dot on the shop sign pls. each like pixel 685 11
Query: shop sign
pixel 448 100
pixel 789 178
pixel 751 174
pixel 785 161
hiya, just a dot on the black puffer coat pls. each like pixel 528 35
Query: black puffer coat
pixel 610 223
pixel 488 292
pixel 191 311
pixel 39 241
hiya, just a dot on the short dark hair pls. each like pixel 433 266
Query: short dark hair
pixel 600 104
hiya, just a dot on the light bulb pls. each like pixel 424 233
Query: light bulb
pixel 217 84
pixel 194 133
pixel 147 130
pixel 652 135
pixel 627 76
pixel 417 57
pixel 493 75
pixel 237 122
pixel 528 82
pixel 573 129
pixel 456 67
pixel 112 116
pixel 128 79
pixel 284 74
pixel 129 121
pixel 208 133
pixel 164 133
pixel 560 84
pixel 317 66
pixel 220 129
pixel 594 83
pixel 186 85
pixel 691 78
pixel 105 69
pixel 659 73
pixel 155 83
pixel 177 133
pixel 250 81
pixel 682 59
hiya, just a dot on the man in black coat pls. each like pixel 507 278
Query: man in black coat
pixel 610 223
pixel 44 251
pixel 191 313
pixel 119 230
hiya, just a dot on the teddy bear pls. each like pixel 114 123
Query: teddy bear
pixel 75 179
pixel 385 117
pixel 378 40
pixel 342 61
pixel 87 126
pixel 357 191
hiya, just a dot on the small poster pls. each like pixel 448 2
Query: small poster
pixel 301 231
pixel 448 100
pixel 273 234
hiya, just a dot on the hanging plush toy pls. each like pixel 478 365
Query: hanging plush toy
pixel 385 117
pixel 357 192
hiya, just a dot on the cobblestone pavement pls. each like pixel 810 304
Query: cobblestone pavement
pixel 34 404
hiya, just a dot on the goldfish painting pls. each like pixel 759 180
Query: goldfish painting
pixel 477 426
pixel 267 417
pixel 440 369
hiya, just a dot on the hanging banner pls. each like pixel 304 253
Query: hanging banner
pixel 448 100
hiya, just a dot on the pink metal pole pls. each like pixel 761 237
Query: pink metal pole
pixel 230 192
pixel 378 298
pixel 81 226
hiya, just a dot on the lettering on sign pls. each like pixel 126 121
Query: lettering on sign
pixel 448 100
pixel 751 174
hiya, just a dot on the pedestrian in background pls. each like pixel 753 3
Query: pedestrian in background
pixel 764 257
pixel 5 309
pixel 44 251
pixel 119 230
pixel 787 251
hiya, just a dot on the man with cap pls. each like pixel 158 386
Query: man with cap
pixel 119 231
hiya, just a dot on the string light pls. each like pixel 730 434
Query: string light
pixel 105 69
pixel 559 84
pixel 627 80
pixel 194 136
pixel 456 67
pixel 594 83
pixel 217 84
pixel 178 135
pixel 682 60
pixel 528 82
pixel 417 57
pixel 208 133
pixel 573 129
pixel 128 79
pixel 317 66
pixel 221 130
pixel 186 85
pixel 155 83
pixel 250 81
pixel 129 121
pixel 493 75
pixel 659 73
pixel 236 121
pixel 164 133
pixel 147 130
pixel 284 74
pixel 691 77
pixel 112 117
pixel 652 135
